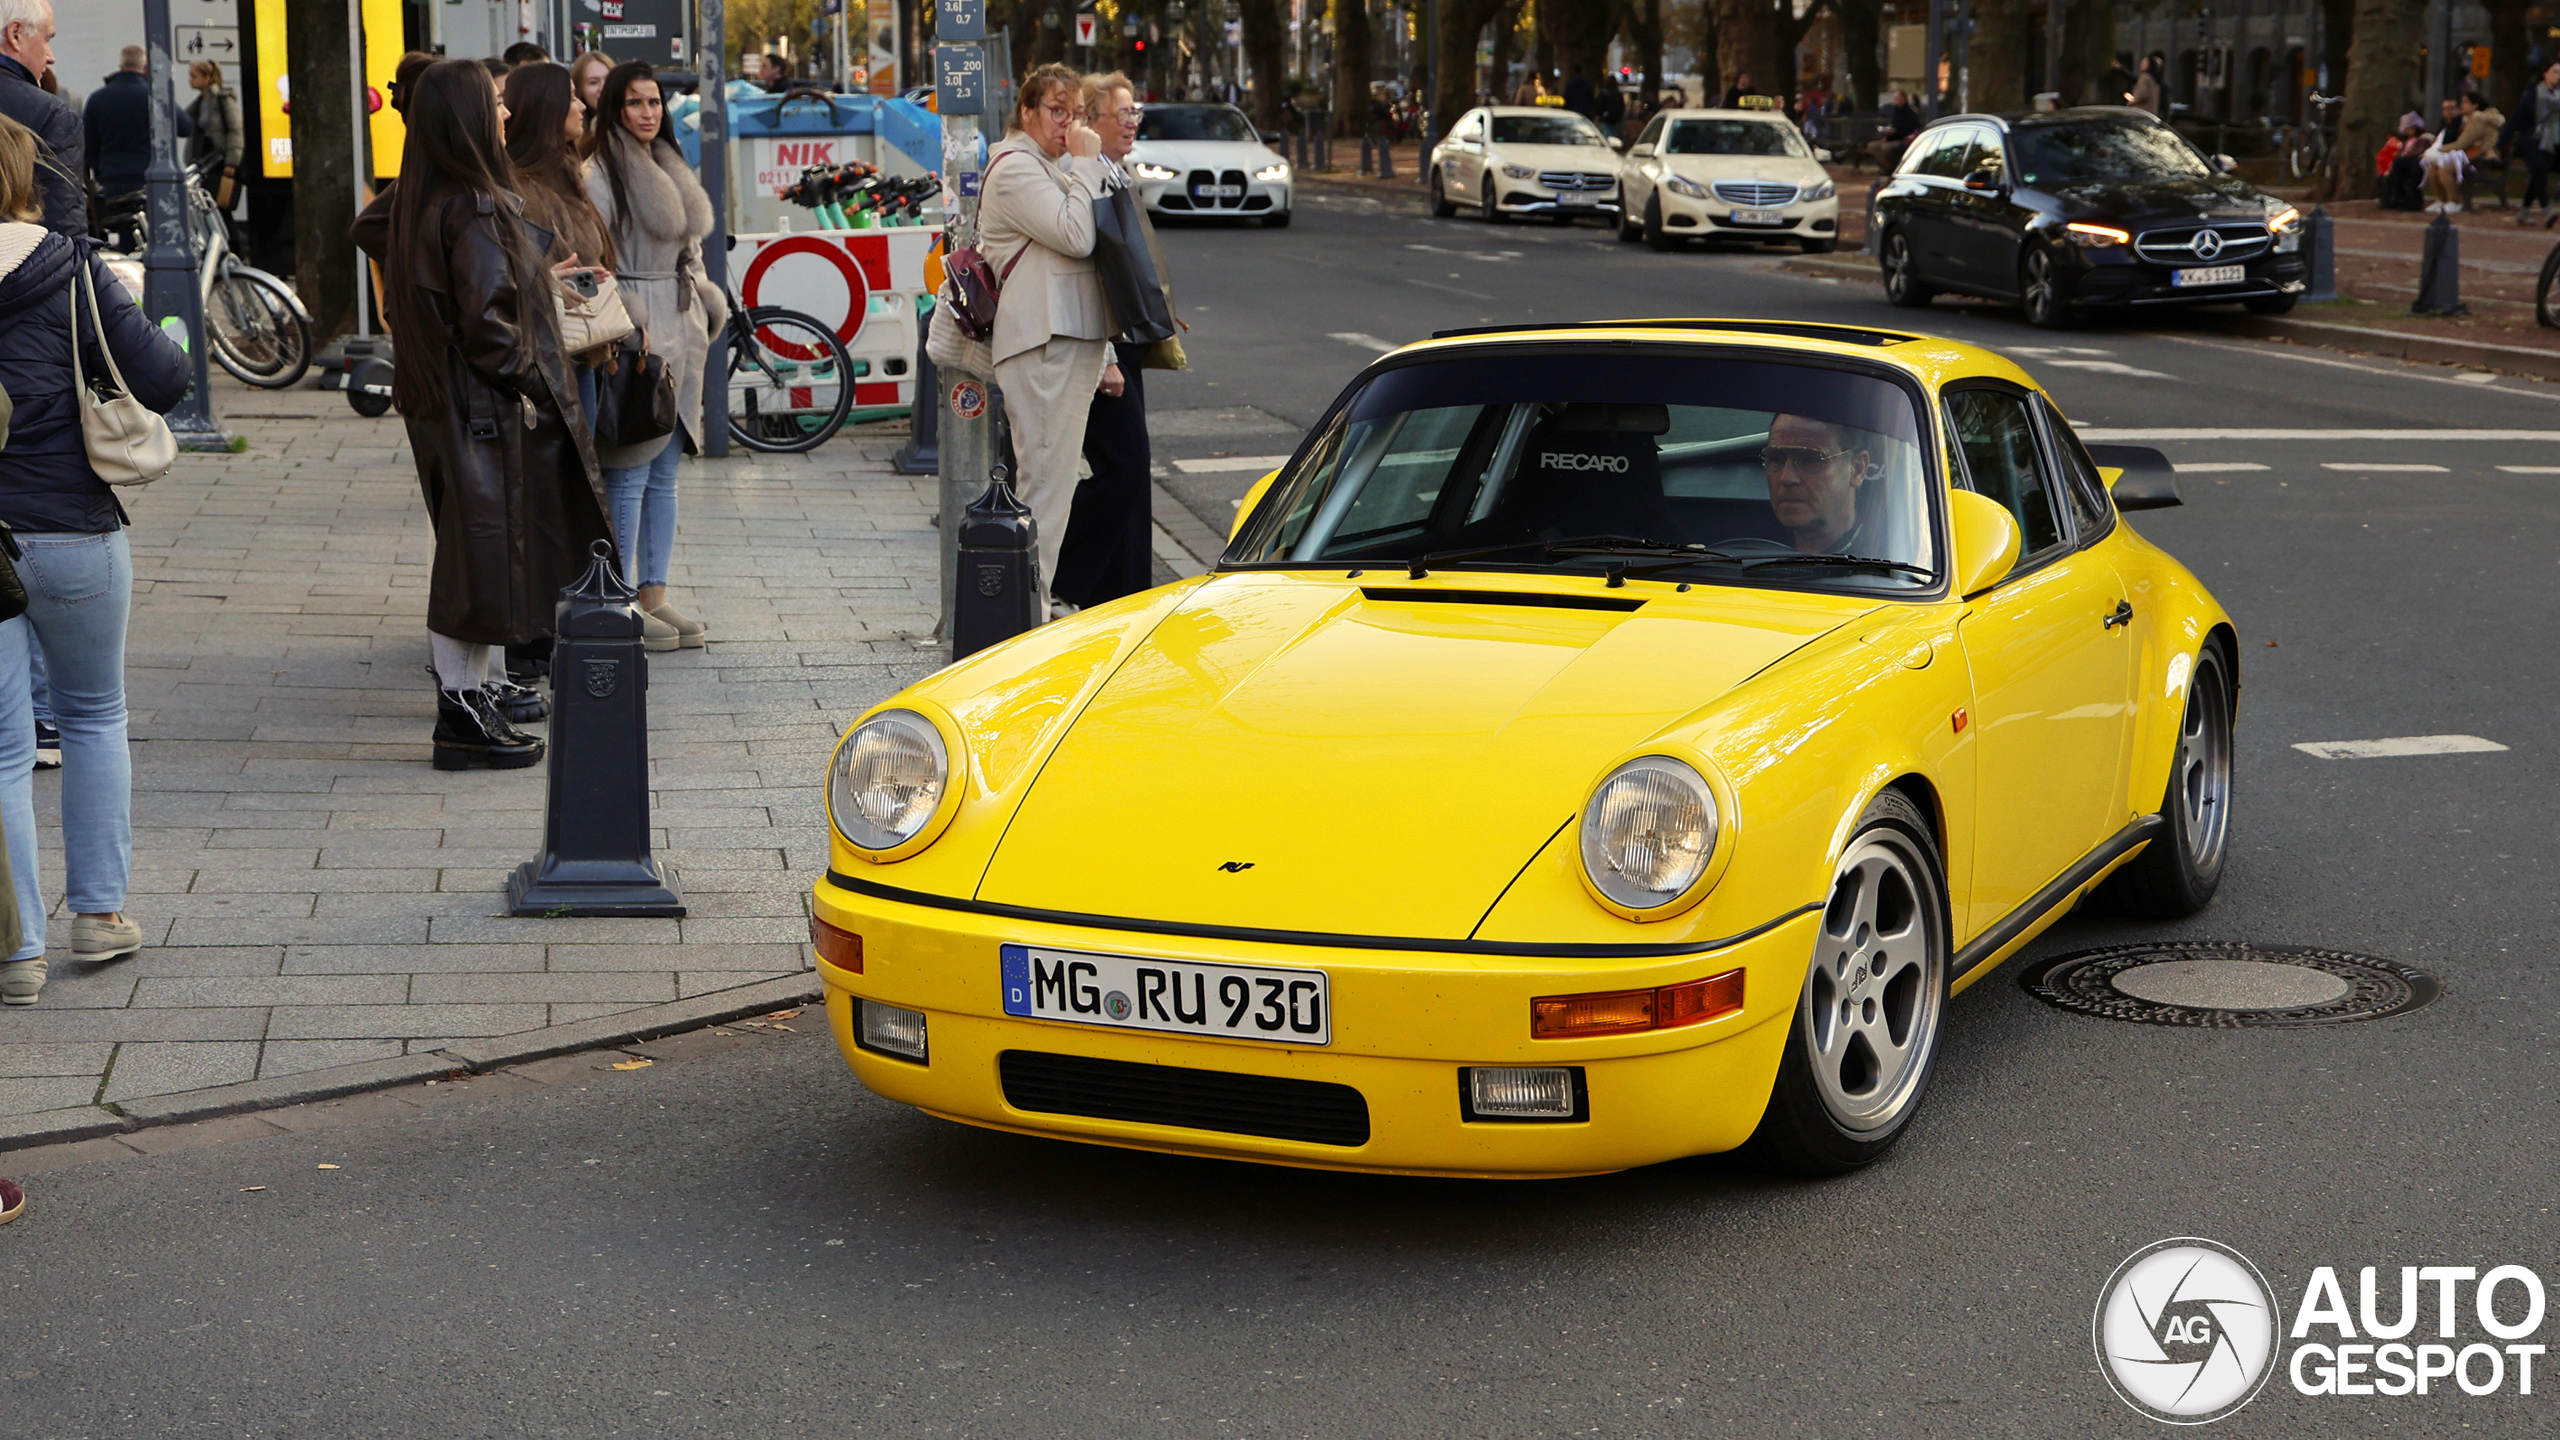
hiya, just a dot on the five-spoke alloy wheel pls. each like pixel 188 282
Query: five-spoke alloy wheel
pixel 2178 871
pixel 1902 285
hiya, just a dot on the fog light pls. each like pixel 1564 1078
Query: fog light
pixel 840 948
pixel 890 1030
pixel 1523 1092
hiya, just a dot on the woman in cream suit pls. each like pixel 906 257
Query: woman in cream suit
pixel 1035 226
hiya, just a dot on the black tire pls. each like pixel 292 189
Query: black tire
pixel 2268 304
pixel 1846 1088
pixel 1820 247
pixel 1902 287
pixel 1441 206
pixel 1630 228
pixel 1492 213
pixel 254 334
pixel 782 347
pixel 2176 874
pixel 2546 291
pixel 1276 220
pixel 2040 291
pixel 1655 237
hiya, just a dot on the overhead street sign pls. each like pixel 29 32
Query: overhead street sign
pixel 959 19
pixel 959 79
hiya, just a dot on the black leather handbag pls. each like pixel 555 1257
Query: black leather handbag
pixel 1130 285
pixel 635 396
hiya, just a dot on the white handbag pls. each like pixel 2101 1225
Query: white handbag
pixel 586 324
pixel 128 445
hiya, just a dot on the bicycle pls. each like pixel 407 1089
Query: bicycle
pixel 2546 291
pixel 2306 151
pixel 255 326
pixel 790 382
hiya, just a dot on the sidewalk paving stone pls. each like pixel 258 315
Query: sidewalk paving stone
pixel 324 911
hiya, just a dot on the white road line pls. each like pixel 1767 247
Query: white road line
pixel 2291 352
pixel 1223 464
pixel 1365 342
pixel 2403 745
pixel 2531 469
pixel 2102 434
pixel 2107 367
pixel 1452 290
pixel 1465 254
pixel 2054 350
pixel 2360 465
pixel 2216 467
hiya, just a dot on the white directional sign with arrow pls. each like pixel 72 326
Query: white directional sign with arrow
pixel 209 42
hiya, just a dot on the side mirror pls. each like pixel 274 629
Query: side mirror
pixel 1980 182
pixel 1244 507
pixel 1617 144
pixel 2225 164
pixel 1274 139
pixel 1986 540
pixel 1641 152
pixel 2139 477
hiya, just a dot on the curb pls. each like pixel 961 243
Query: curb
pixel 2326 334
pixel 88 1122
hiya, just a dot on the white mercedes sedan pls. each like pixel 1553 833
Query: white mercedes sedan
pixel 1508 160
pixel 1726 175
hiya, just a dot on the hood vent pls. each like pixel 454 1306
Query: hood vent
pixel 1531 599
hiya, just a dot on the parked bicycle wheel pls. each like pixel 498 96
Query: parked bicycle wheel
pixel 255 333
pixel 2546 291
pixel 790 381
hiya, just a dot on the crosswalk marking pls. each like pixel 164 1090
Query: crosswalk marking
pixel 1223 464
pixel 2215 467
pixel 2531 469
pixel 2364 465
pixel 1365 342
pixel 2401 745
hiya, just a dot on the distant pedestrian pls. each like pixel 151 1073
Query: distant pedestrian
pixel 117 121
pixel 2533 134
pixel 1739 91
pixel 1109 550
pixel 1577 94
pixel 219 134
pixel 544 139
pixel 657 214
pixel 1532 91
pixel 2402 165
pixel 26 53
pixel 1901 122
pixel 76 564
pixel 524 52
pixel 2149 93
pixel 486 398
pixel 589 71
pixel 2474 135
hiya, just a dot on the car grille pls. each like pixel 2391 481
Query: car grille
pixel 1760 193
pixel 1282 1109
pixel 2177 244
pixel 1576 180
pixel 1193 183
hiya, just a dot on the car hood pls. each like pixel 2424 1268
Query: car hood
pixel 1245 155
pixel 1596 159
pixel 1783 169
pixel 2187 198
pixel 1299 753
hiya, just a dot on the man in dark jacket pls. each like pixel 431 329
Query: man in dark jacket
pixel 26 51
pixel 118 121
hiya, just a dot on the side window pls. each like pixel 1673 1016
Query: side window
pixel 1653 132
pixel 1985 158
pixel 1998 438
pixel 2092 513
pixel 1940 152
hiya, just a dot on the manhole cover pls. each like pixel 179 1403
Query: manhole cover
pixel 2223 987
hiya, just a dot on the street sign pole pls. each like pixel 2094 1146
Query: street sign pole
pixel 169 293
pixel 710 58
pixel 961 87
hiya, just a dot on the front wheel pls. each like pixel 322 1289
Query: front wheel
pixel 1630 229
pixel 1865 1034
pixel 1492 212
pixel 2546 291
pixel 790 382
pixel 1659 239
pixel 1442 207
pixel 2176 874
pixel 254 333
pixel 1902 285
pixel 2040 291
pixel 1276 220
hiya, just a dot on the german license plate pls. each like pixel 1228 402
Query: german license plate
pixel 1218 192
pixel 1585 201
pixel 1177 997
pixel 2209 275
pixel 1759 217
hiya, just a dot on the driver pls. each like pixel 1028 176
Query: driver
pixel 1815 469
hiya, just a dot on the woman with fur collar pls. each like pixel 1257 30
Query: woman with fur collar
pixel 657 214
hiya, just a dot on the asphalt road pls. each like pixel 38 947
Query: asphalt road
pixel 739 1241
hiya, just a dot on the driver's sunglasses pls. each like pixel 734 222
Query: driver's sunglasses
pixel 1803 457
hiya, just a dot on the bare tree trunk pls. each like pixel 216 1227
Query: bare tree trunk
pixel 1861 36
pixel 2338 22
pixel 1350 67
pixel 2383 80
pixel 1746 34
pixel 2507 42
pixel 1506 49
pixel 2090 55
pixel 324 195
pixel 1454 59
pixel 1642 20
pixel 2001 37
pixel 1266 51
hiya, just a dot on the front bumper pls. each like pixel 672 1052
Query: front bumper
pixel 1404 1023
pixel 1689 215
pixel 2113 277
pixel 1526 197
pixel 1182 195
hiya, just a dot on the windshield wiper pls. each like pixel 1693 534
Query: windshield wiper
pixel 1866 562
pixel 1620 574
pixel 1417 568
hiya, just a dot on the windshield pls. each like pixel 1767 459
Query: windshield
pixel 1564 129
pixel 1761 463
pixel 2101 150
pixel 1194 122
pixel 1732 137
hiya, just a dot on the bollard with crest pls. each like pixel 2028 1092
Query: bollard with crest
pixel 595 834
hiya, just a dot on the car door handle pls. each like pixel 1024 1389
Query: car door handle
pixel 2123 616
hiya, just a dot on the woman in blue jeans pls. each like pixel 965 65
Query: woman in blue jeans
pixel 77 569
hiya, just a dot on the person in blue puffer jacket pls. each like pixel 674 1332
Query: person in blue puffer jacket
pixel 77 569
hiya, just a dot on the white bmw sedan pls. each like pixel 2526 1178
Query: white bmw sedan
pixel 1726 175
pixel 1508 160
pixel 1208 160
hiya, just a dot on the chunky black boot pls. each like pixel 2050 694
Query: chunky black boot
pixel 470 731
pixel 529 661
pixel 522 705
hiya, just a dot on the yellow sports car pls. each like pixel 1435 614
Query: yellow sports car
pixel 1599 744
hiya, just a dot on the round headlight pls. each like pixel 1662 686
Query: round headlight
pixel 1648 832
pixel 889 777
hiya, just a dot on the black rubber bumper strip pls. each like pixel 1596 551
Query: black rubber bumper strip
pixel 1988 943
pixel 879 891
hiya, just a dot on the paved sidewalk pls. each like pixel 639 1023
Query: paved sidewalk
pixel 315 895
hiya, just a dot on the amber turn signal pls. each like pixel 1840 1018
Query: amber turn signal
pixel 840 948
pixel 1631 1012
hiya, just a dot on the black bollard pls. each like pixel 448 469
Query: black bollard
pixel 2320 253
pixel 2440 272
pixel 999 571
pixel 922 454
pixel 595 833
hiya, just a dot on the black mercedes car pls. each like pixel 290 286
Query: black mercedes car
pixel 2097 208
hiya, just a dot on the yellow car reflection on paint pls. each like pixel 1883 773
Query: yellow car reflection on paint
pixel 1600 744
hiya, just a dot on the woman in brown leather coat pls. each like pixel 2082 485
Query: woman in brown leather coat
pixel 509 476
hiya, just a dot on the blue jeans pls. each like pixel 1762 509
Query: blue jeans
pixel 79 595
pixel 643 502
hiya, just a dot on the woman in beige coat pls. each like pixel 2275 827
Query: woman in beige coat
pixel 657 214
pixel 1035 226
